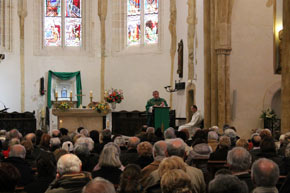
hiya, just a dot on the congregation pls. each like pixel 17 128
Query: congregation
pixel 152 161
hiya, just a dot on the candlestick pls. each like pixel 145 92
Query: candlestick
pixel 43 112
pixel 56 94
pixel 70 94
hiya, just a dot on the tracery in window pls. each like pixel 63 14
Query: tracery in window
pixel 62 21
pixel 142 22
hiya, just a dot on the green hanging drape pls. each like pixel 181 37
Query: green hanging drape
pixel 65 76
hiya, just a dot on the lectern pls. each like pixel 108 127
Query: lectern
pixel 161 117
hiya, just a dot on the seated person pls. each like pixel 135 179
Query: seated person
pixel 194 123
pixel 156 101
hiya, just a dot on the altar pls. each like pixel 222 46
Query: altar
pixel 74 118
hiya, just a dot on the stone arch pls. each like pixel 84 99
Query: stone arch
pixel 271 97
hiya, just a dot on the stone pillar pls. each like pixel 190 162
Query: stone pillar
pixel 217 28
pixel 285 88
pixel 172 29
pixel 102 12
pixel 22 13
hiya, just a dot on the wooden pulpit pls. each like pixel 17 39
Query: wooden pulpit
pixel 161 117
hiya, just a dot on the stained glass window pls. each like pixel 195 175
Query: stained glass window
pixel 58 24
pixel 142 22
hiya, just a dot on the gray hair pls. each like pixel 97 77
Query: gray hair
pixel 230 133
pixel 14 133
pixel 110 156
pixel 84 132
pixel 86 140
pixel 227 183
pixel 82 149
pixel 265 172
pixel 169 133
pixel 159 149
pixel 212 135
pixel 99 184
pixel 68 163
pixel 239 159
pixel 150 130
pixel 17 151
pixel 176 147
pixel 55 141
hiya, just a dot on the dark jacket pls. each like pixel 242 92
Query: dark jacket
pixel 109 173
pixel 129 157
pixel 69 183
pixel 40 185
pixel 24 170
pixel 219 154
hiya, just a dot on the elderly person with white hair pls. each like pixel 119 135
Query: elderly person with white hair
pixel 131 155
pixel 99 185
pixel 70 178
pixel 17 158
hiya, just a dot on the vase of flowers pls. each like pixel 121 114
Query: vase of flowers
pixel 100 107
pixel 63 106
pixel 268 117
pixel 114 96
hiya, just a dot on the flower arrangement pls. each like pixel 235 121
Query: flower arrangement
pixel 114 96
pixel 268 114
pixel 100 107
pixel 63 105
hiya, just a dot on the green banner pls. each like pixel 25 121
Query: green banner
pixel 65 76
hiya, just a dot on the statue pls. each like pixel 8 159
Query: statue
pixel 180 59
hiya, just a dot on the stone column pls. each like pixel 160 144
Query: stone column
pixel 285 88
pixel 22 13
pixel 172 29
pixel 102 12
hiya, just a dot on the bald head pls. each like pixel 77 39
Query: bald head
pixel 265 172
pixel 133 142
pixel 99 185
pixel 17 151
pixel 160 150
pixel 176 147
pixel 31 137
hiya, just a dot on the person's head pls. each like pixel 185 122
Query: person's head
pixel 242 143
pixel 265 172
pixel 79 129
pixel 14 133
pixel 99 185
pixel 265 133
pixel 28 146
pixel 13 141
pixel 256 139
pixel 86 140
pixel 287 151
pixel 9 177
pixel 224 183
pixel 268 145
pixel 169 133
pixel 63 131
pixel 94 134
pixel 45 167
pixel 170 163
pixel 239 159
pixel 58 153
pixel 45 141
pixel 176 181
pixel 193 108
pixel 224 142
pixel 38 134
pixel 82 150
pixel 31 137
pixel 176 147
pixel 55 133
pixel 200 136
pixel 106 135
pixel 68 146
pixel 110 156
pixel 159 150
pixel 144 149
pixel 133 142
pixel 55 143
pixel 155 94
pixel 150 130
pixel 129 180
pixel 17 151
pixel 212 135
pixel 69 164
pixel 84 132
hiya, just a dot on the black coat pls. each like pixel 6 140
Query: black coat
pixel 109 173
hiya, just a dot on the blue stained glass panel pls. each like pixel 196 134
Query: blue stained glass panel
pixel 73 8
pixel 133 31
pixel 133 7
pixel 151 6
pixel 151 28
pixel 73 32
pixel 52 31
pixel 53 8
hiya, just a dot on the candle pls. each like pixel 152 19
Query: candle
pixel 56 94
pixel 43 112
pixel 91 93
pixel 70 94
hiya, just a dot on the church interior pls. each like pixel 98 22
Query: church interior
pixel 228 58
